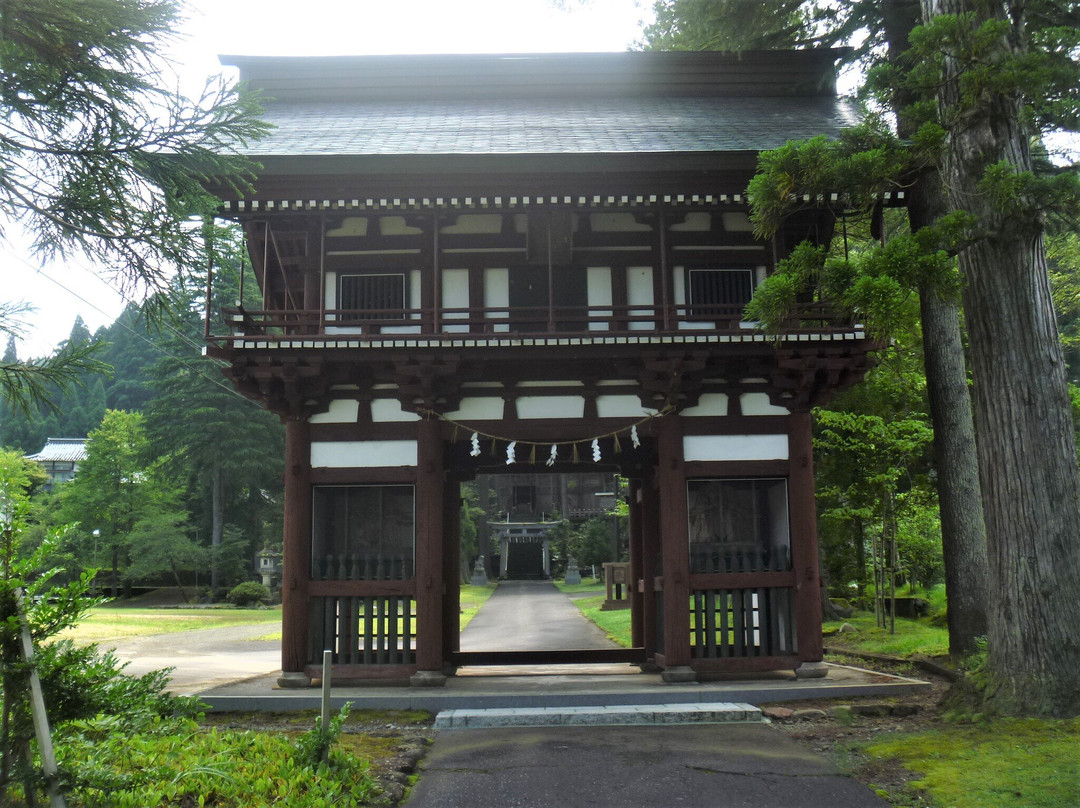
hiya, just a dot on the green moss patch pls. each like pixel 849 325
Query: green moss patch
pixel 1005 762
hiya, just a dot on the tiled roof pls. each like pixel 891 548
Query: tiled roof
pixel 621 125
pixel 61 450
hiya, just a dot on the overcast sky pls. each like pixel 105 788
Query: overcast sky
pixel 322 27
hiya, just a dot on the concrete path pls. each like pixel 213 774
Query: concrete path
pixel 531 616
pixel 202 659
pixel 696 766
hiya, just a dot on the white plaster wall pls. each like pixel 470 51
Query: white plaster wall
pixel 551 407
pixel 414 303
pixel 735 447
pixel 363 454
pixel 351 226
pixel 455 295
pixel 487 408
pixel 679 284
pixel 639 292
pixel 341 411
pixel 475 223
pixel 396 226
pixel 709 404
pixel 497 293
pixel 598 284
pixel 621 407
pixel 616 223
pixel 759 404
pixel 388 410
pixel 697 222
pixel 735 222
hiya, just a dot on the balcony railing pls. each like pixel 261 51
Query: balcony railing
pixel 379 325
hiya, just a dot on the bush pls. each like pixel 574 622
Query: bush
pixel 85 682
pixel 249 593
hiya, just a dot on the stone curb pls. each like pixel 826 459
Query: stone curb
pixel 612 715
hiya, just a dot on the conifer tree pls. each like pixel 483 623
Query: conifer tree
pixel 100 156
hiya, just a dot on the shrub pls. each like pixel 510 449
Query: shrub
pixel 249 593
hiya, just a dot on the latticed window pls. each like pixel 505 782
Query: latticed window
pixel 363 532
pixel 372 297
pixel 738 525
pixel 716 292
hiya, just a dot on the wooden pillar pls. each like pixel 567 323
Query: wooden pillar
pixel 804 540
pixel 451 571
pixel 430 491
pixel 636 596
pixel 650 554
pixel 675 540
pixel 296 554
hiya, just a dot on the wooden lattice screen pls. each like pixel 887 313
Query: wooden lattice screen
pixel 726 623
pixel 379 630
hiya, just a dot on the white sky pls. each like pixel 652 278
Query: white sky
pixel 321 27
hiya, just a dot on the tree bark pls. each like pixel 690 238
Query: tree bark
pixel 963 529
pixel 217 526
pixel 1027 461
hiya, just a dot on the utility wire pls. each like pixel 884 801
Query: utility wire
pixel 143 337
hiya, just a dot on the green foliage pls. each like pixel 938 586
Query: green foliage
pixel 100 154
pixel 173 762
pixel 248 593
pixel 615 623
pixel 313 747
pixel 472 598
pixel 725 25
pixel 912 637
pixel 590 543
pixel 80 682
pixel 993 764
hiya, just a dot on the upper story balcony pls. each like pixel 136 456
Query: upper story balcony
pixel 584 276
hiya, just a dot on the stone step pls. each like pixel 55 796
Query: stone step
pixel 625 714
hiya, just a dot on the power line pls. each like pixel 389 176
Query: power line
pixel 155 346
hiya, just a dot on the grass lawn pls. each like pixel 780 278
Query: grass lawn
pixel 110 623
pixel 472 598
pixel 912 637
pixel 615 623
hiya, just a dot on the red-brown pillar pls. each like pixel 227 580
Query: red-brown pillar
pixel 804 545
pixel 650 546
pixel 429 555
pixel 451 572
pixel 296 554
pixel 675 540
pixel 636 596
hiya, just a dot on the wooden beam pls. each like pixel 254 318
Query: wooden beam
pixel 429 547
pixel 804 539
pixel 675 540
pixel 296 547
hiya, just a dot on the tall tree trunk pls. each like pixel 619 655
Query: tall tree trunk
pixel 217 525
pixel 1027 461
pixel 963 530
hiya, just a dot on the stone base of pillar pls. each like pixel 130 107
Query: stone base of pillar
pixel 427 679
pixel 650 667
pixel 812 670
pixel 678 675
pixel 290 679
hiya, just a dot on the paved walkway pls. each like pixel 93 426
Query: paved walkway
pixel 694 766
pixel 202 659
pixel 531 616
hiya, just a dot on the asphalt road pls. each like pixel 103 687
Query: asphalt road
pixel 693 766
pixel 531 616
